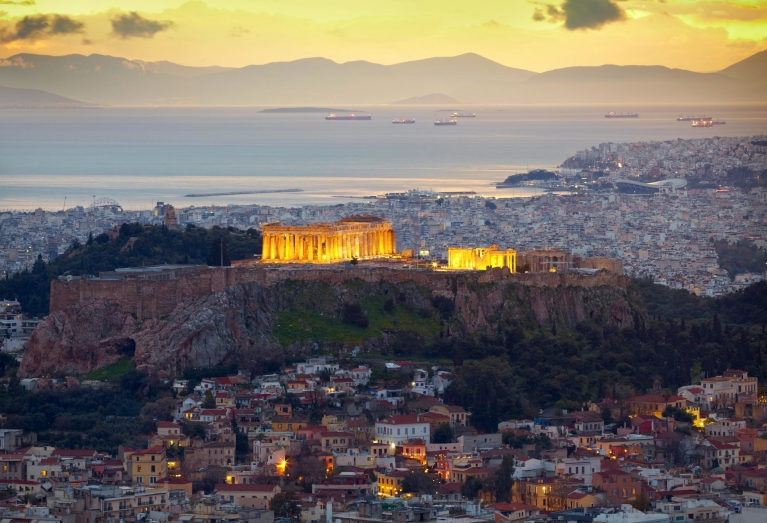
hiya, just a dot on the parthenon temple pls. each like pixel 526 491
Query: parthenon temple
pixel 360 237
pixel 481 258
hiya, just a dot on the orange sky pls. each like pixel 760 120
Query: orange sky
pixel 703 35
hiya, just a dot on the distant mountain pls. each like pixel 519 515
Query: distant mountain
pixel 324 83
pixel 617 84
pixel 299 110
pixel 184 71
pixel 428 99
pixel 114 80
pixel 753 68
pixel 32 97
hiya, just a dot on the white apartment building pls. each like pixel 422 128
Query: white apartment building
pixel 396 430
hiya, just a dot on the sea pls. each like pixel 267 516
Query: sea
pixel 137 156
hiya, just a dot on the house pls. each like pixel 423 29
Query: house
pixel 225 400
pixel 578 499
pixel 335 441
pixel 415 449
pixel 42 469
pixel 581 468
pixel 247 495
pixel 434 419
pixel 655 404
pixel 457 415
pixel 288 425
pixel 169 434
pixel 200 454
pixel 149 464
pixel 725 427
pixel 11 466
pixel 712 485
pixel 719 454
pixel 619 486
pixel 361 375
pixel 545 493
pixel 514 511
pixel 471 442
pixel 390 483
pixel 398 429
pixel 526 468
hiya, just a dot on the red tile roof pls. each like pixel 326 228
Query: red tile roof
pixel 401 419
pixel 225 487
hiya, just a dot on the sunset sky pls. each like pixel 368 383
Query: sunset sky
pixel 705 35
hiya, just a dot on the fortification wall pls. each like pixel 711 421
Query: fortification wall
pixel 148 299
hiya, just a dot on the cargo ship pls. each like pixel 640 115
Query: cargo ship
pixel 403 120
pixel 464 115
pixel 348 117
pixel 612 114
pixel 692 118
pixel 452 121
pixel 702 123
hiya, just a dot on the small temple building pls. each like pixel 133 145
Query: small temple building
pixel 481 258
pixel 354 237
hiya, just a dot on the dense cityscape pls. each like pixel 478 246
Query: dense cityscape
pixel 666 236
pixel 353 434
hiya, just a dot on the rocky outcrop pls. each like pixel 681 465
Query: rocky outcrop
pixel 238 324
pixel 83 337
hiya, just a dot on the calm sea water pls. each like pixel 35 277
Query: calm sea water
pixel 138 156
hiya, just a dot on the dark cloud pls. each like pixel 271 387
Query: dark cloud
pixel 134 25
pixel 17 2
pixel 35 27
pixel 581 14
pixel 63 25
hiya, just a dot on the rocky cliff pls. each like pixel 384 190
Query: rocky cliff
pixel 242 323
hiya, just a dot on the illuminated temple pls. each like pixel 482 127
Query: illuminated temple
pixel 481 258
pixel 360 237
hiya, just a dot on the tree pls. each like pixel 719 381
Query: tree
pixel 209 402
pixel 219 254
pixel 503 480
pixel 641 502
pixel 419 483
pixel 352 314
pixel 470 489
pixel 285 505
pixel 443 434
pixel 241 442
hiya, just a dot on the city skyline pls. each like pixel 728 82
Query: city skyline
pixel 696 35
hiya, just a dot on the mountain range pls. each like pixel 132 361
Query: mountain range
pixel 467 78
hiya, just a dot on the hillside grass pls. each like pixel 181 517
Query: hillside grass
pixel 300 325
pixel 112 372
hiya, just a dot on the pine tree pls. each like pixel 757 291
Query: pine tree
pixel 216 256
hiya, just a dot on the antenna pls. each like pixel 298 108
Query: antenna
pixel 63 208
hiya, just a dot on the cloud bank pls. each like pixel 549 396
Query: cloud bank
pixel 581 14
pixel 36 27
pixel 133 25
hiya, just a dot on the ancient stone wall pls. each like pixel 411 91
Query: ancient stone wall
pixel 152 299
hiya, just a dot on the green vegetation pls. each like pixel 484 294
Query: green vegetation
pixel 740 257
pixel 134 245
pixel 536 174
pixel 382 315
pixel 122 412
pixel 516 372
pixel 112 372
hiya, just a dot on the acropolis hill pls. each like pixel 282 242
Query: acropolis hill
pixel 178 317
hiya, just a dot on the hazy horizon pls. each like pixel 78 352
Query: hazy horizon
pixel 700 36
